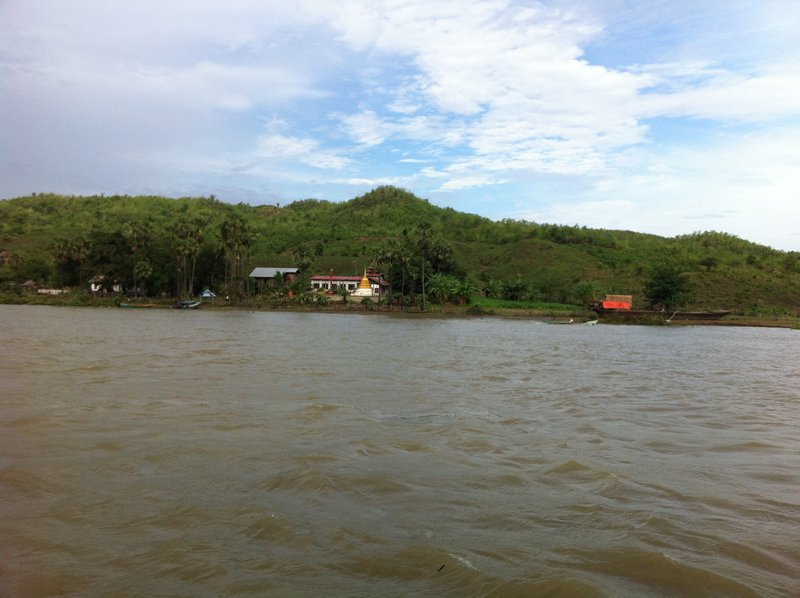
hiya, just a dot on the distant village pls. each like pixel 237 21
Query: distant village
pixel 370 284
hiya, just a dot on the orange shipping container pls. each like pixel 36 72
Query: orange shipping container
pixel 618 302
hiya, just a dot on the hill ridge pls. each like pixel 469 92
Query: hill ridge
pixel 556 262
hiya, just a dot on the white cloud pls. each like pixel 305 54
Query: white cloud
pixel 304 150
pixel 594 104
pixel 366 128
pixel 730 97
pixel 454 183
pixel 748 186
pixel 369 183
pixel 507 82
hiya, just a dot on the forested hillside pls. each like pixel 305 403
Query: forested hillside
pixel 180 246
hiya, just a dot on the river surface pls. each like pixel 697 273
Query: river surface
pixel 222 453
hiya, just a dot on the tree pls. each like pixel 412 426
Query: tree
pixel 34 267
pixel 666 286
pixel 585 292
pixel 441 287
pixel 302 258
pixel 142 270
pixel 187 233
pixel 61 254
pixel 393 259
pixel 79 253
pixel 441 255
pixel 138 236
pixel 69 254
pixel 424 244
pixel 709 263
pixel 303 261
pixel 110 257
pixel 515 289
pixel 492 288
pixel 237 238
pixel 464 291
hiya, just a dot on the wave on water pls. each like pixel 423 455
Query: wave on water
pixel 252 454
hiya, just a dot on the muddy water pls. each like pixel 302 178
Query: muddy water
pixel 173 453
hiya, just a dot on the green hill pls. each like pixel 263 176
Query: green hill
pixel 173 246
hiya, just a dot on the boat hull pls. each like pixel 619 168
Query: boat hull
pixel 188 305
pixel 666 315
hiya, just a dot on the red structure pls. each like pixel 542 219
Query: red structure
pixel 617 302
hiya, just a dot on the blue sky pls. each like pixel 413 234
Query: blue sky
pixel 667 117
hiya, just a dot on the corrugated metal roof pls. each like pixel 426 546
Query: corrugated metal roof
pixel 271 272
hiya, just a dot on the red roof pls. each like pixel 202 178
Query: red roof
pixel 336 278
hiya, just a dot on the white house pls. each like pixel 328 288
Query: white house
pixel 102 284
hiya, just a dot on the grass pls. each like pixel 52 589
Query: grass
pixel 492 303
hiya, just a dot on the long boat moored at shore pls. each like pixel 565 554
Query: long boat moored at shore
pixel 619 306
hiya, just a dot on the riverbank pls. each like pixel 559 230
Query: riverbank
pixel 434 310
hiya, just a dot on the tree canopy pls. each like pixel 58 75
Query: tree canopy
pixel 180 246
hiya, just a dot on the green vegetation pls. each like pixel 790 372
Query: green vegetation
pixel 159 247
pixel 666 286
pixel 543 306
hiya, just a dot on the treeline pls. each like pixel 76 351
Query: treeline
pixel 145 245
pixel 159 246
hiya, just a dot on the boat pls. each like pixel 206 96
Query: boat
pixel 668 316
pixel 188 304
pixel 137 305
pixel 699 315
pixel 619 306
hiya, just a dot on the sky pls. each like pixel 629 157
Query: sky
pixel 658 116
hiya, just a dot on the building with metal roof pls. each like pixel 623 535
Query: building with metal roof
pixel 267 275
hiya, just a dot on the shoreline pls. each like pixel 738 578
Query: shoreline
pixel 789 322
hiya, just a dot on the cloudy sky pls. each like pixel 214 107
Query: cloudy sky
pixel 661 116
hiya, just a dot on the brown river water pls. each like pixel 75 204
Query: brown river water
pixel 221 453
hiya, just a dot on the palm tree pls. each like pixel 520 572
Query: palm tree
pixel 79 253
pixel 424 244
pixel 394 258
pixel 237 238
pixel 187 235
pixel 303 261
pixel 441 254
pixel 302 258
pixel 61 253
pixel 142 270
pixel 138 236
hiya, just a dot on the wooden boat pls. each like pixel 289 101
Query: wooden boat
pixel 188 304
pixel 668 316
pixel 137 305
pixel 699 315
pixel 619 306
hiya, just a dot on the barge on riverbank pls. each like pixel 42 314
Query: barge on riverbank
pixel 619 306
